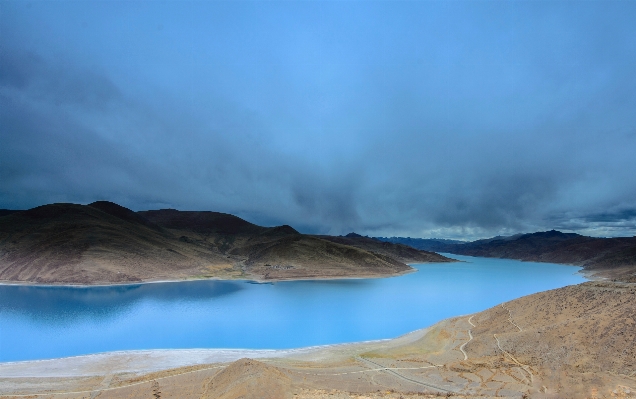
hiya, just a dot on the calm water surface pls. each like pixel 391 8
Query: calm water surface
pixel 47 322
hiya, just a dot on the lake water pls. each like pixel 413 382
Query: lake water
pixel 38 322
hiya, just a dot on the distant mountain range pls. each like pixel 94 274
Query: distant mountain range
pixel 103 243
pixel 420 243
pixel 613 258
pixel 106 243
pixel 401 252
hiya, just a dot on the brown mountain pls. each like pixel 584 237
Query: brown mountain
pixel 105 243
pixel 400 252
pixel 613 258
pixel 96 243
pixel 275 252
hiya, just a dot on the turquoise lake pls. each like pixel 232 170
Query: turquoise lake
pixel 39 322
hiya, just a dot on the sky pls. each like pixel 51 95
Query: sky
pixel 449 119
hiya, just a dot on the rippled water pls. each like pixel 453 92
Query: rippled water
pixel 39 322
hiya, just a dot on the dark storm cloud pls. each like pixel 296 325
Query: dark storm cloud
pixel 424 119
pixel 53 150
pixel 620 215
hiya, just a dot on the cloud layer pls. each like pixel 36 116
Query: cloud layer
pixel 421 119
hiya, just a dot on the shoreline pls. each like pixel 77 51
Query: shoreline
pixel 236 353
pixel 254 280
pixel 152 360
pixel 488 353
pixel 588 274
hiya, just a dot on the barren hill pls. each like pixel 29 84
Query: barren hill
pixel 97 243
pixel 275 252
pixel 613 258
pixel 104 243
pixel 573 342
pixel 400 252
pixel 248 379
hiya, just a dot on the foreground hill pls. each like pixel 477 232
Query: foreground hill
pixel 571 342
pixel 103 243
pixel 574 342
pixel 613 258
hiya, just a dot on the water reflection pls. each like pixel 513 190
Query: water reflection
pixel 66 304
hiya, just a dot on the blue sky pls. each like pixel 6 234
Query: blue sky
pixel 424 118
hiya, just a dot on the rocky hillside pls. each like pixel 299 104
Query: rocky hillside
pixel 103 243
pixel 613 258
pixel 276 252
pixel 97 243
pixel 400 252
pixel 574 339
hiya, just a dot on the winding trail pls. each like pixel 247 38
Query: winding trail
pixel 470 334
pixel 391 371
pixel 510 317
pixel 366 370
pixel 523 366
pixel 461 348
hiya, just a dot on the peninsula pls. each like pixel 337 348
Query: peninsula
pixel 105 243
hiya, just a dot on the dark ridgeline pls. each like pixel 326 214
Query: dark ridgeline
pixel 106 243
pixel 399 251
pixel 613 258
pixel 424 244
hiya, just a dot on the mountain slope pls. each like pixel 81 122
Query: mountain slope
pixel 275 252
pixel 561 343
pixel 104 243
pixel 423 244
pixel 68 243
pixel 613 258
pixel 400 252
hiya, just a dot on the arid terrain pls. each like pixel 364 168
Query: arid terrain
pixel 610 258
pixel 104 243
pixel 573 342
pixel 399 252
